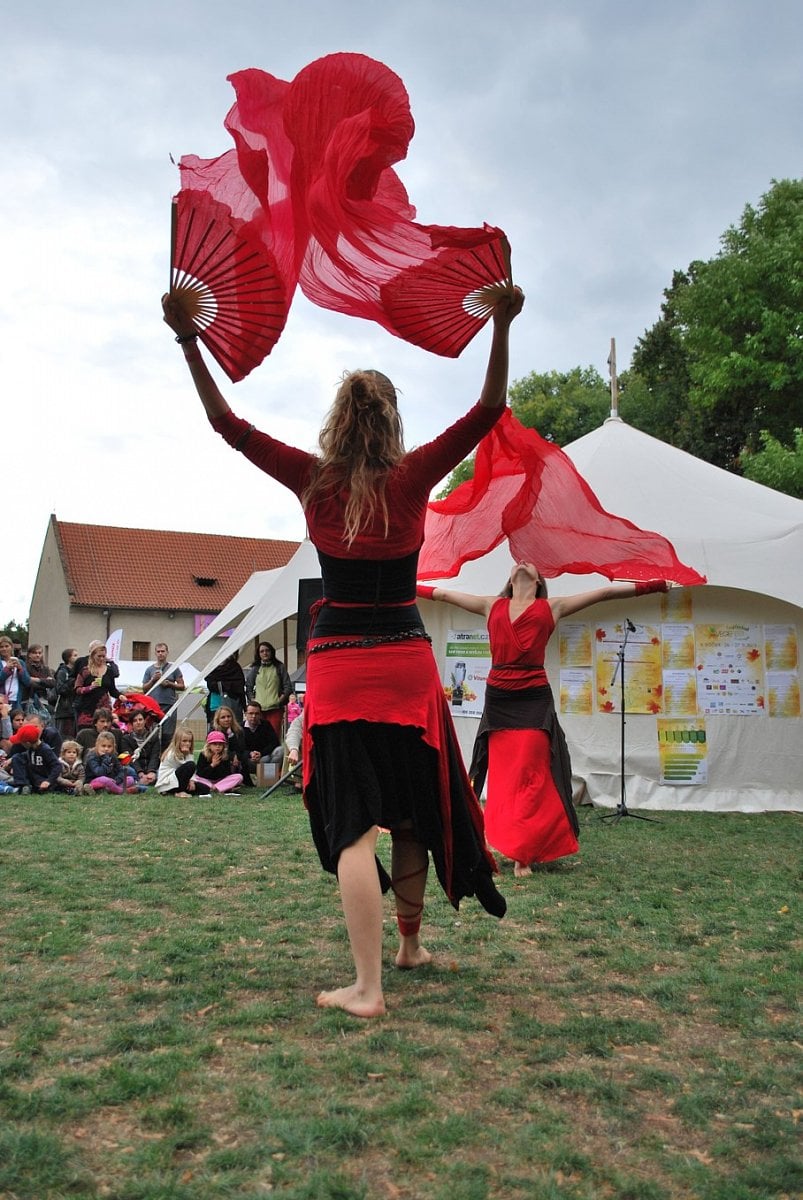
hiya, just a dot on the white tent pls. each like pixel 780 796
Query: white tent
pixel 264 600
pixel 748 541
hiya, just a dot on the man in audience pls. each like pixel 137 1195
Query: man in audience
pixel 163 682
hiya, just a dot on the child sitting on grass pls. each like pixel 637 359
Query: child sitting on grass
pixel 213 771
pixel 177 765
pixel 71 777
pixel 35 766
pixel 103 770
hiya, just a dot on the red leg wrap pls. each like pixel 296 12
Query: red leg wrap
pixel 409 925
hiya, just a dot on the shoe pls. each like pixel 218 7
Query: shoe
pixel 25 791
pixel 87 790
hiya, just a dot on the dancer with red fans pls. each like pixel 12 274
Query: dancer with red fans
pixel 383 753
pixel 520 746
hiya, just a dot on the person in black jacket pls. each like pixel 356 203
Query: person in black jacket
pixel 226 685
pixel 36 767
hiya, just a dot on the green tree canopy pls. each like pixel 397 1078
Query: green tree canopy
pixel 561 405
pixel 725 359
pixel 777 466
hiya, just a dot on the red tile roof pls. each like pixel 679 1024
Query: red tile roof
pixel 152 568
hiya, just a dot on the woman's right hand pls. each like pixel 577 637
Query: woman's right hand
pixel 176 317
pixel 508 306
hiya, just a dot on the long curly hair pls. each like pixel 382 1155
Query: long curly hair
pixel 361 440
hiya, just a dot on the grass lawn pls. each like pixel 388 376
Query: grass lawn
pixel 627 1031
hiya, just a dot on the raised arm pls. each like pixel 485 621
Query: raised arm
pixel 209 392
pixel 494 389
pixel 479 605
pixel 566 606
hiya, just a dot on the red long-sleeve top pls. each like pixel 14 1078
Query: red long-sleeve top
pixel 407 490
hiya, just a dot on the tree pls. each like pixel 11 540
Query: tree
pixel 777 466
pixel 561 405
pixel 725 359
pixel 18 633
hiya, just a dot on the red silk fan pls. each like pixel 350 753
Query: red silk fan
pixel 440 305
pixel 226 281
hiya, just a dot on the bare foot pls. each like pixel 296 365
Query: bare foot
pixel 521 870
pixel 353 1000
pixel 411 956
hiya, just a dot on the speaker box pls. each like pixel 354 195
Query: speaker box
pixel 309 591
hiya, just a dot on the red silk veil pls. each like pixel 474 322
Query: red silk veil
pixel 527 490
pixel 310 179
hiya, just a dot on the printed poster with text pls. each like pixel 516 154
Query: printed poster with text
pixel 682 751
pixel 468 661
pixel 576 670
pixel 730 678
pixel 679 672
pixel 642 669
pixel 781 662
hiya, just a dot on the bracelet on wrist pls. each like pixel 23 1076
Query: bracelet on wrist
pixel 181 338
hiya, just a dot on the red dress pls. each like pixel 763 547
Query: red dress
pixel 379 745
pixel 529 815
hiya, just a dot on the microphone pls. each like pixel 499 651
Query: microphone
pixel 630 626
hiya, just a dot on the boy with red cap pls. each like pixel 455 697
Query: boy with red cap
pixel 36 767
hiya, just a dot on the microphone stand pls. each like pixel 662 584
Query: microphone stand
pixel 621 809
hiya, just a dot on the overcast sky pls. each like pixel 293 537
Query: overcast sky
pixel 612 141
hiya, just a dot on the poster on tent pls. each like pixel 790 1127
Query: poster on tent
pixel 468 661
pixel 642 669
pixel 575 644
pixel 780 648
pixel 680 693
pixel 576 650
pixel 682 751
pixel 783 694
pixel 577 691
pixel 730 677
pixel 676 604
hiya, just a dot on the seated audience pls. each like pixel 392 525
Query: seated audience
pixel 143 744
pixel 293 740
pixel 213 771
pixel 71 773
pixel 259 738
pixel 226 721
pixel 35 767
pixel 102 722
pixel 103 770
pixel 177 765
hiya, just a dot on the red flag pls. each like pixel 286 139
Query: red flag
pixel 527 490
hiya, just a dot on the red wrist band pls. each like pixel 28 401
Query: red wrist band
pixel 424 591
pixel 652 585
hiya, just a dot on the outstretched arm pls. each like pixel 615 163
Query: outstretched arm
pixel 480 605
pixel 494 389
pixel 209 392
pixel 566 606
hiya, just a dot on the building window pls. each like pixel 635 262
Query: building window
pixel 141 651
